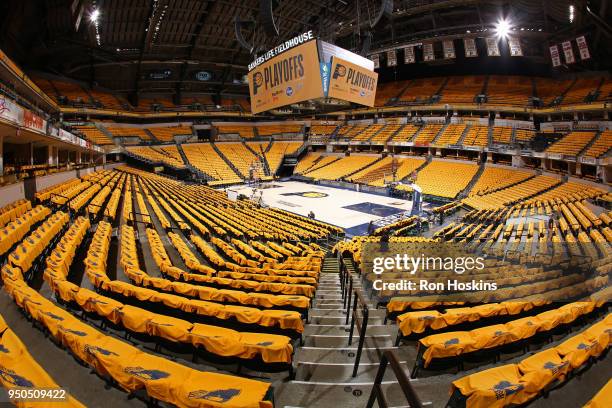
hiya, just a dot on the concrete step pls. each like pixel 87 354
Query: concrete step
pixel 342 328
pixel 352 393
pixel 341 340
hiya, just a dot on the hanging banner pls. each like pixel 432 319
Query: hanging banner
pixel 492 47
pixel 554 55
pixel 392 58
pixel 449 49
pixel 33 121
pixel 289 77
pixel 376 59
pixel 568 52
pixel 10 110
pixel 352 82
pixel 428 52
pixel 470 47
pixel 409 55
pixel 583 48
pixel 515 47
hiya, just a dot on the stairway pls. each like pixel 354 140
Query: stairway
pixel 588 145
pixel 441 89
pixel 198 172
pixel 472 182
pixel 416 134
pixel 225 159
pixel 464 134
pixel 324 365
pixel 151 135
pixel 346 177
pixel 379 130
pixel 560 98
pixel 261 157
pixel 490 136
pixel 442 130
pixel 485 86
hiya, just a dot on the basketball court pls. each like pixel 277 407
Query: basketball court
pixel 345 208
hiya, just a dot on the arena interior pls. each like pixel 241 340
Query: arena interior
pixel 190 192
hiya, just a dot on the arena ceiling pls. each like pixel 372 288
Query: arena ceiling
pixel 137 46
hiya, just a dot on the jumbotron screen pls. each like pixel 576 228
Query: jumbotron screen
pixel 305 68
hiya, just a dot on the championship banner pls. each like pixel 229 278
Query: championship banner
pixel 492 47
pixel 428 52
pixel 554 56
pixel 409 55
pixel 352 83
pixel 392 58
pixel 470 47
pixel 289 77
pixel 515 47
pixel 583 48
pixel 376 59
pixel 568 52
pixel 449 49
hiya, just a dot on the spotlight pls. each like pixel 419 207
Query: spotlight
pixel 502 28
pixel 95 14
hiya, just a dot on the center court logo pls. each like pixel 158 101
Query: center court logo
pixel 308 194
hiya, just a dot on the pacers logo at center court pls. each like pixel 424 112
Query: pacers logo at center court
pixel 308 194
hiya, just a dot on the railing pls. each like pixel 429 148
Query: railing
pixel 377 394
pixel 349 293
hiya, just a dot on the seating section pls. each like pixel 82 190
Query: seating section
pixel 205 158
pixel 244 131
pixel 513 194
pixel 242 158
pixel 603 397
pixel 445 179
pixel 21 371
pixel 497 178
pixel 451 135
pixel 421 90
pixel 385 133
pixel 270 130
pixel 129 132
pixel 601 146
pixel 388 90
pixel 509 90
pixel 350 131
pixel 517 384
pixel 278 150
pixel 572 143
pixel 341 168
pixel 382 171
pixel 477 135
pixel 166 134
pixel 502 134
pixel 166 155
pixel 580 90
pixel 462 89
pixel 406 133
pixel 427 134
pixel 367 133
pixel 93 134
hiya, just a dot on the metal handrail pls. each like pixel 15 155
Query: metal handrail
pixel 361 326
pixel 377 394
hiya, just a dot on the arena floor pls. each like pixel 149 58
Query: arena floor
pixel 348 209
